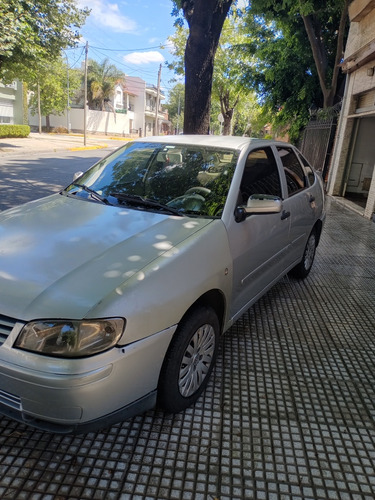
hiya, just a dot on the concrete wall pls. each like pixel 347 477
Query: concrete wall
pixel 100 122
pixel 358 103
pixel 11 103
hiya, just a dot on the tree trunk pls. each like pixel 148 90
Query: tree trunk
pixel 205 19
pixel 328 89
pixel 227 110
pixel 227 124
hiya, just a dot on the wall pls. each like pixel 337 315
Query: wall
pixel 11 103
pixel 357 112
pixel 99 122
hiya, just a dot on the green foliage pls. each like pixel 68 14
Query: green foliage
pixel 178 41
pixel 175 106
pixel 34 30
pixel 14 130
pixel 205 20
pixel 52 79
pixel 313 30
pixel 282 76
pixel 227 81
pixel 284 73
pixel 230 97
pixel 101 80
pixel 287 52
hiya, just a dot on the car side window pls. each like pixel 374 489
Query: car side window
pixel 261 175
pixel 295 176
pixel 308 168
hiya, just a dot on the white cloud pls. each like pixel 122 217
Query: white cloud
pixel 242 4
pixel 144 57
pixel 108 14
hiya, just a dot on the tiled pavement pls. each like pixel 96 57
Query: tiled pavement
pixel 288 414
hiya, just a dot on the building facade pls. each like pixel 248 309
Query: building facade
pixel 352 172
pixel 141 99
pixel 11 103
pixel 131 113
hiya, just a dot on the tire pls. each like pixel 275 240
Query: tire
pixel 302 269
pixel 189 360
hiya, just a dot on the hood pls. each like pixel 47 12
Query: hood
pixel 60 256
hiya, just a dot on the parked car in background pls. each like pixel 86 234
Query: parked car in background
pixel 114 292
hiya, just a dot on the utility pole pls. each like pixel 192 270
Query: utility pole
pixel 178 113
pixel 157 104
pixel 39 111
pixel 85 103
pixel 68 97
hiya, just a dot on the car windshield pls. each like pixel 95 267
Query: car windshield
pixel 180 179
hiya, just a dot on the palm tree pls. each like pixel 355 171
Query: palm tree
pixel 101 80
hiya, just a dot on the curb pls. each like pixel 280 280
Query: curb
pixel 84 148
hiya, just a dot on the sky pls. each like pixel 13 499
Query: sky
pixel 129 33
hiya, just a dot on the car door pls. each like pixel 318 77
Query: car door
pixel 299 202
pixel 259 244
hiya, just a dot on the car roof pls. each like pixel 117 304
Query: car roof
pixel 221 141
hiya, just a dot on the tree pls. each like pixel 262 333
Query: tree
pixel 205 20
pixel 51 83
pixel 175 106
pixel 282 73
pixel 34 30
pixel 227 86
pixel 325 22
pixel 101 80
pixel 227 80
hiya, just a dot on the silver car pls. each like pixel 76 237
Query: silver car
pixel 114 292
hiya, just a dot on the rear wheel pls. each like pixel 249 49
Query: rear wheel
pixel 189 360
pixel 304 267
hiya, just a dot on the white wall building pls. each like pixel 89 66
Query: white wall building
pixel 133 113
pixel 11 103
pixel 352 173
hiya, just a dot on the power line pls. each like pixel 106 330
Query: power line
pixel 129 70
pixel 119 62
pixel 127 50
pixel 118 50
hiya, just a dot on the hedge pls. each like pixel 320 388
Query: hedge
pixel 14 130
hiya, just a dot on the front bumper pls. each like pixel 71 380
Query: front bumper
pixel 63 395
pixel 135 408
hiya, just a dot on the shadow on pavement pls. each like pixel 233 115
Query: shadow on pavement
pixel 23 180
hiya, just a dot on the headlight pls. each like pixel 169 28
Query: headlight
pixel 70 339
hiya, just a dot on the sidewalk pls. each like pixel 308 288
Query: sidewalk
pixel 289 413
pixel 44 143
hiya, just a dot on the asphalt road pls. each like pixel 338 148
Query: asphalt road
pixel 24 179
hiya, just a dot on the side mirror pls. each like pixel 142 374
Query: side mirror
pixel 76 175
pixel 258 204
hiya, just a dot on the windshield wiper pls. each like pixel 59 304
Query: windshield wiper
pixel 134 199
pixel 94 194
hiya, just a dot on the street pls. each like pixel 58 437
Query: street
pixel 26 178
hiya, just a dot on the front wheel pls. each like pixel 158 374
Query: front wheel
pixel 304 267
pixel 189 360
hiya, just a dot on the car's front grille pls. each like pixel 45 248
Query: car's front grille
pixel 6 326
pixel 10 400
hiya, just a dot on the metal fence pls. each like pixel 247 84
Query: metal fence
pixel 317 143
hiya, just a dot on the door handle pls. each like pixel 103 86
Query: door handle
pixel 285 215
